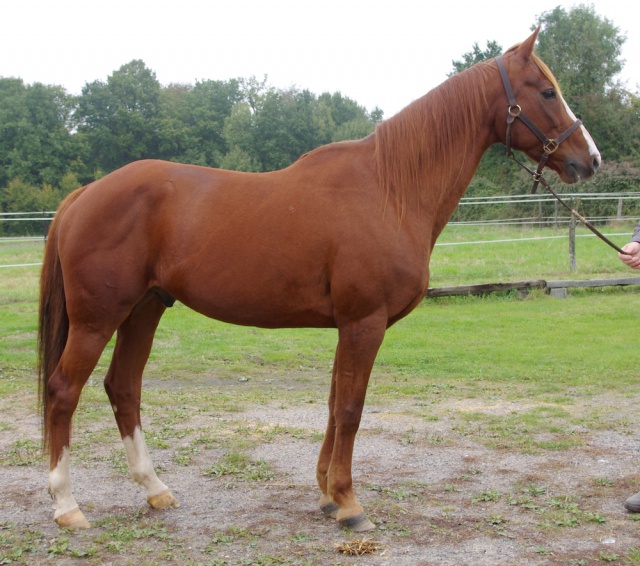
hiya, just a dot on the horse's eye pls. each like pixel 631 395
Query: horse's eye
pixel 549 94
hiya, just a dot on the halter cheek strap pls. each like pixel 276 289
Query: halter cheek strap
pixel 515 112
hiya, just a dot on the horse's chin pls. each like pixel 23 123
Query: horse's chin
pixel 569 176
pixel 572 172
pixel 580 170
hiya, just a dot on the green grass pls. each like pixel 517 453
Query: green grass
pixel 456 262
pixel 22 453
pixel 239 466
pixel 548 344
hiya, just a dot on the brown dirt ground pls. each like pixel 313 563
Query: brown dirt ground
pixel 424 483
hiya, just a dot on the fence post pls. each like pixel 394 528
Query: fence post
pixel 619 214
pixel 540 213
pixel 572 239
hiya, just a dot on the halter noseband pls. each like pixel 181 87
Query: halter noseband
pixel 514 111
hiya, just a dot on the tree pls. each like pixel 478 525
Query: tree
pixel 476 55
pixel 614 121
pixel 120 118
pixel 288 123
pixel 338 118
pixel 51 142
pixel 283 128
pixel 174 136
pixel 19 196
pixel 582 49
pixel 205 110
pixel 239 134
pixel 36 144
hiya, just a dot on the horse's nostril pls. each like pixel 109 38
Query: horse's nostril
pixel 597 161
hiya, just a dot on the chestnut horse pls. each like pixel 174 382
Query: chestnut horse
pixel 341 238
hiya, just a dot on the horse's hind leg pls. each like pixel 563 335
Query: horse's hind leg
pixel 82 351
pixel 124 387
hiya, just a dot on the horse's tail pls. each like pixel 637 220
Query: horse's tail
pixel 53 320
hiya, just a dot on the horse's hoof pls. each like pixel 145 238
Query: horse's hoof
pixel 163 500
pixel 73 520
pixel 357 523
pixel 330 509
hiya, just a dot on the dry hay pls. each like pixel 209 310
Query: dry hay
pixel 359 547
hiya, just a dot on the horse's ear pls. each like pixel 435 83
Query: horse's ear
pixel 525 49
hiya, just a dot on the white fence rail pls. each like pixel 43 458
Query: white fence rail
pixel 45 217
pixel 488 201
pixel 559 217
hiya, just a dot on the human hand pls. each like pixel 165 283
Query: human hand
pixel 632 255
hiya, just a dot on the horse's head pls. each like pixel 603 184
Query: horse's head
pixel 533 117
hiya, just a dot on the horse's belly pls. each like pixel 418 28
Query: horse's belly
pixel 262 315
pixel 261 300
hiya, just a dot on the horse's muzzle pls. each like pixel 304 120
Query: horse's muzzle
pixel 576 170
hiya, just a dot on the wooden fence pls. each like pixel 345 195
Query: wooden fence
pixel 556 288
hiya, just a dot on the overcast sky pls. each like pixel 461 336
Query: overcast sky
pixel 377 52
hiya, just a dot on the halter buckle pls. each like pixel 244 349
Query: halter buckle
pixel 550 146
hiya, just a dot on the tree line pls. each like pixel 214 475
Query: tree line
pixel 52 142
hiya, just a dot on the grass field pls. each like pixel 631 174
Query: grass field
pixel 563 365
pixel 534 254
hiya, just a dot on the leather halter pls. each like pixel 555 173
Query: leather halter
pixel 548 147
pixel 514 111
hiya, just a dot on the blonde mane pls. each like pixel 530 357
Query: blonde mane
pixel 428 141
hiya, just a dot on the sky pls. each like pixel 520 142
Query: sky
pixel 380 53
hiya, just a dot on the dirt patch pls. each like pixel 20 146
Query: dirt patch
pixel 437 493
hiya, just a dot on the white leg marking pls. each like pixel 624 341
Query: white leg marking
pixel 60 486
pixel 140 464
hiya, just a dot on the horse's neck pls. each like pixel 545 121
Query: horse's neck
pixel 429 152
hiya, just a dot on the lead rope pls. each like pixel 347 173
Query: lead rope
pixel 539 178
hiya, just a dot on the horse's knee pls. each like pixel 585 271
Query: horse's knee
pixel 348 418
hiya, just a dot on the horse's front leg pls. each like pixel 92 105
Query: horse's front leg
pixel 327 505
pixel 358 346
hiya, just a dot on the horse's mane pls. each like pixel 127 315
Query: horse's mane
pixel 428 141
